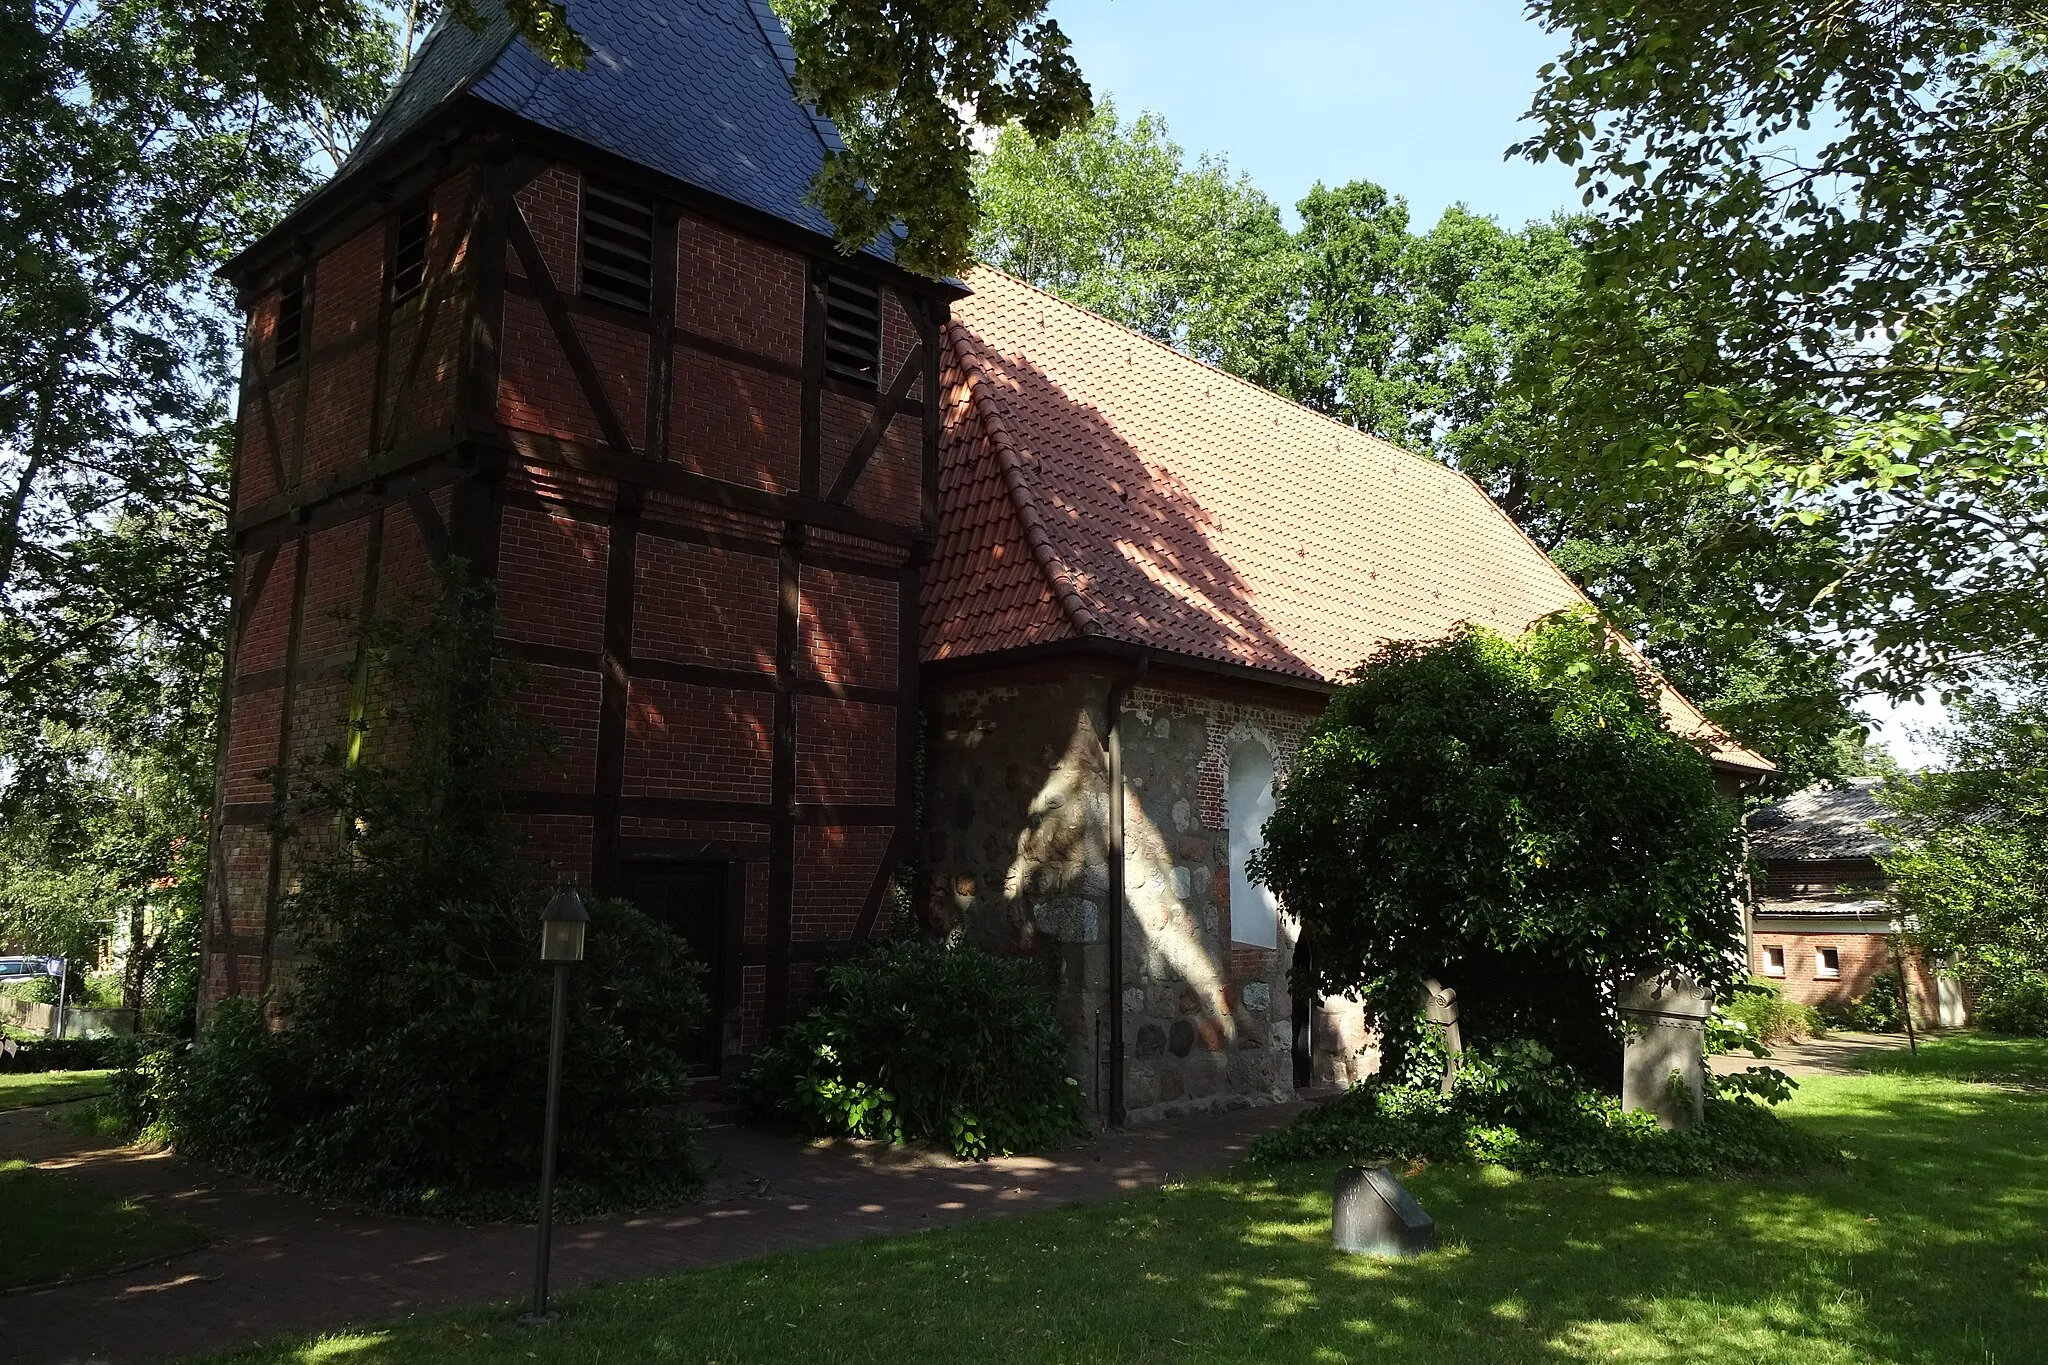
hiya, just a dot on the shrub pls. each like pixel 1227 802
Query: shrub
pixel 1763 1013
pixel 1518 1108
pixel 2014 1002
pixel 917 1040
pixel 1515 818
pixel 1881 1009
pixel 406 1064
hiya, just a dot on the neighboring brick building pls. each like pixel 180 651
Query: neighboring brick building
pixel 1150 575
pixel 1821 925
pixel 583 330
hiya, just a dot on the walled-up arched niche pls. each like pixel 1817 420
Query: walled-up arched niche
pixel 1254 914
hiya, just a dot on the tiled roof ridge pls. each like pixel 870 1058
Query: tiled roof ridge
pixel 1258 390
pixel 1008 459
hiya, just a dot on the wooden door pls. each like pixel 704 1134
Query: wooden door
pixel 691 901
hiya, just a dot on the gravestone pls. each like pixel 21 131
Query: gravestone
pixel 1664 1029
pixel 1440 1011
pixel 1372 1215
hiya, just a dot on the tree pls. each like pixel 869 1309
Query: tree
pixel 907 82
pixel 1112 218
pixel 1971 865
pixel 142 145
pixel 1515 819
pixel 1818 232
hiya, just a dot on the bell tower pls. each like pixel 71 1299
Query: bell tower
pixel 583 330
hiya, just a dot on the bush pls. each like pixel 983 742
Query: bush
pixel 1882 1009
pixel 1518 1108
pixel 406 1064
pixel 1763 1013
pixel 1514 818
pixel 916 1040
pixel 2014 1002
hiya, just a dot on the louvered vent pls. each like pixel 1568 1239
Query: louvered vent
pixel 409 248
pixel 618 247
pixel 291 322
pixel 853 330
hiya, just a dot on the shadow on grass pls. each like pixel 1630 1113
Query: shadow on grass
pixel 1970 1057
pixel 1929 1246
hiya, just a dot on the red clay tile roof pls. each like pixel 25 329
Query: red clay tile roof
pixel 1094 482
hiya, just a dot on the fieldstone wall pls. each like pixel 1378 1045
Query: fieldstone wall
pixel 1016 849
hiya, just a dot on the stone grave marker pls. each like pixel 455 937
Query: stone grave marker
pixel 1664 1024
pixel 1372 1215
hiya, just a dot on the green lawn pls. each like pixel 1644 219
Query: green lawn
pixel 19 1089
pixel 1929 1245
pixel 55 1227
pixel 1970 1057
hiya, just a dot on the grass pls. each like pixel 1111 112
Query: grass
pixel 21 1089
pixel 57 1227
pixel 1929 1245
pixel 1970 1057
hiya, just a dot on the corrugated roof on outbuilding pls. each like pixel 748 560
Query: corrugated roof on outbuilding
pixel 1822 823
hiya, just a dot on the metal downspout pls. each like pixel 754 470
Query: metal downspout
pixel 1113 741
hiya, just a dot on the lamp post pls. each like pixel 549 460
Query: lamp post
pixel 561 944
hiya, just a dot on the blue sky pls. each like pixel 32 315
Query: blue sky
pixel 1421 98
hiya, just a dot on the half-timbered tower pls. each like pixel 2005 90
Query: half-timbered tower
pixel 582 329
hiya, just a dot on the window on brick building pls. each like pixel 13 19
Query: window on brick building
pixel 617 243
pixel 1827 962
pixel 853 330
pixel 1774 960
pixel 291 322
pixel 409 248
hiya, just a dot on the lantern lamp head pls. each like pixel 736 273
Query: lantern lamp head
pixel 561 927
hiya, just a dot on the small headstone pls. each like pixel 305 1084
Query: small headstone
pixel 1664 1048
pixel 1372 1215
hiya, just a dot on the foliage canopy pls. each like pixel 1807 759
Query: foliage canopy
pixel 1818 230
pixel 1514 818
pixel 1971 866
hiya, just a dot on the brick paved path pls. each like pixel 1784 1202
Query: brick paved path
pixel 278 1263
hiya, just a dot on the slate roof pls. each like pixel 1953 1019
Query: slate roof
pixel 701 90
pixel 1822 823
pixel 1096 483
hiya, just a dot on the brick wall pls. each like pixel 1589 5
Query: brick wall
pixel 706 586
pixel 846 751
pixel 1863 956
pixel 565 700
pixel 553 204
pixel 702 604
pixel 551 576
pixel 848 629
pixel 834 869
pixel 738 291
pixel 727 421
pixel 537 391
pixel 686 740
